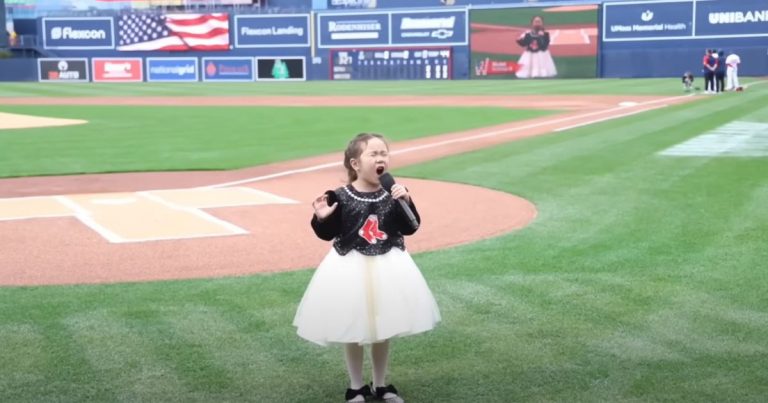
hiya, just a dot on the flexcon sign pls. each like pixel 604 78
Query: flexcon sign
pixel 265 31
pixel 78 33
pixel 117 70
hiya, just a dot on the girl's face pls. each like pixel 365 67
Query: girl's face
pixel 537 22
pixel 373 161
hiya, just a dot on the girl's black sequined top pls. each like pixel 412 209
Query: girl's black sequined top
pixel 534 41
pixel 370 222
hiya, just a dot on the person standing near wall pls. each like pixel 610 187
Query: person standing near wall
pixel 732 72
pixel 720 71
pixel 709 66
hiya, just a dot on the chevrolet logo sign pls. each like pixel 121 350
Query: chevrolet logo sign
pixel 442 33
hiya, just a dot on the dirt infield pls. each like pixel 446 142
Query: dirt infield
pixel 62 249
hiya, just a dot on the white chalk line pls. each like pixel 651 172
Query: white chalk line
pixel 492 133
pixel 86 218
pixel 562 129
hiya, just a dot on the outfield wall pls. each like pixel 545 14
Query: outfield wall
pixel 616 39
pixel 392 44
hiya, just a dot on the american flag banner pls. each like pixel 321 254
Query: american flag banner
pixel 173 32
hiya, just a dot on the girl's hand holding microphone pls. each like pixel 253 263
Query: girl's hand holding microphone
pixel 399 192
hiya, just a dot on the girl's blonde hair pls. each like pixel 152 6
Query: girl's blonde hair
pixel 355 150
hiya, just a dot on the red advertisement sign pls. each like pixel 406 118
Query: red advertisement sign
pixel 491 67
pixel 117 70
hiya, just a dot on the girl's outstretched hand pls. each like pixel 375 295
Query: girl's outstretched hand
pixel 322 209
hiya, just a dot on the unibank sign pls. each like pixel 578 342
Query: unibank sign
pixel 78 33
pixel 732 18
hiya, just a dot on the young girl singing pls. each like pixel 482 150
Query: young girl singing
pixel 367 289
pixel 536 61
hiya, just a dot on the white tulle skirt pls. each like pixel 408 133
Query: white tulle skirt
pixel 365 299
pixel 536 65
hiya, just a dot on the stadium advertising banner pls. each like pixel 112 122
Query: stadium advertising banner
pixel 342 4
pixel 62 70
pixel 744 18
pixel 267 31
pixel 395 28
pixel 172 69
pixel 124 70
pixel 391 64
pixel 671 20
pixel 228 69
pixel 78 33
pixel 534 42
pixel 173 32
pixel 642 21
pixel 430 27
pixel 281 69
pixel 347 29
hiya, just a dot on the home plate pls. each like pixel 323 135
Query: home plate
pixel 628 103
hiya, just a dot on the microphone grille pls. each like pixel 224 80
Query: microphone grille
pixel 387 181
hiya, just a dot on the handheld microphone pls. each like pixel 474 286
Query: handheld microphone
pixel 387 181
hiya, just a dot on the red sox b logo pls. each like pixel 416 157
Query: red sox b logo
pixel 370 230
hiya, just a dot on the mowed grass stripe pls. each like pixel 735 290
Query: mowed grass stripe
pixel 145 138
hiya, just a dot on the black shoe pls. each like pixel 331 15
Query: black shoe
pixel 379 392
pixel 365 392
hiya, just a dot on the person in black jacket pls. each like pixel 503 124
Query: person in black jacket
pixel 720 71
pixel 367 289
pixel 536 60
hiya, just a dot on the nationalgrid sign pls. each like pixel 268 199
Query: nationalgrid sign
pixel 171 69
pixel 78 33
pixel 271 31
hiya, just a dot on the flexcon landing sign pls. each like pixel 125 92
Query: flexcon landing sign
pixel 262 31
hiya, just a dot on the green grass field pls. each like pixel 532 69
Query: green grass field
pixel 643 279
pixel 164 138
